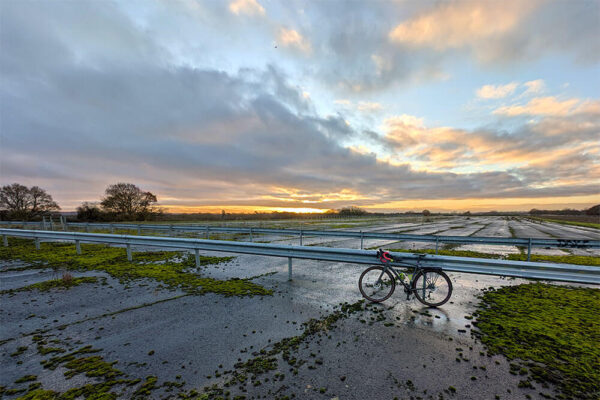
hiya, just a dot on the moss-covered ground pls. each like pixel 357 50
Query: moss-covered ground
pixel 53 284
pixel 550 333
pixel 595 225
pixel 173 269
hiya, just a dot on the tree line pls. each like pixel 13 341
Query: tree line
pixel 127 202
pixel 121 202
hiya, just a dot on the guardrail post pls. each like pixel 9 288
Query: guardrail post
pixel 289 268
pixel 139 228
pixel 62 223
pixel 361 240
pixel 51 224
pixel 129 257
pixel 37 243
pixel 207 234
pixel 529 250
pixel 437 242
pixel 301 234
pixel 44 223
pixel 78 247
pixel 87 226
pixel 171 229
pixel 251 236
pixel 5 240
pixel 197 254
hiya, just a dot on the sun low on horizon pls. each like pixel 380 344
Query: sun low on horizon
pixel 290 106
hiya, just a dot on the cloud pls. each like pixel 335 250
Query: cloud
pixel 291 38
pixel 553 153
pixel 504 32
pixel 496 91
pixel 369 106
pixel 458 24
pixel 534 87
pixel 246 7
pixel 551 106
pixel 82 109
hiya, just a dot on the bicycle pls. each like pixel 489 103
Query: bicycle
pixel 430 285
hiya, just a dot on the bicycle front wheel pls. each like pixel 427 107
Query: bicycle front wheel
pixel 432 287
pixel 376 284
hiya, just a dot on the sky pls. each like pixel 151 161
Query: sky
pixel 259 105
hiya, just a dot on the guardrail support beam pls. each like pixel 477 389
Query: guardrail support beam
pixel 251 236
pixel 5 240
pixel 529 250
pixel 139 229
pixel 197 254
pixel 37 243
pixel 523 269
pixel 129 256
pixel 78 247
pixel 112 228
pixel 437 242
pixel 361 240
pixel 301 234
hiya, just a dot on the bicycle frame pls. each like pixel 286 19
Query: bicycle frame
pixel 399 276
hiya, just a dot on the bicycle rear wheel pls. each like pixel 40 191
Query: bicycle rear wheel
pixel 432 287
pixel 376 284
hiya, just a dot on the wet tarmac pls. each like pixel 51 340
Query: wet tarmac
pixel 398 349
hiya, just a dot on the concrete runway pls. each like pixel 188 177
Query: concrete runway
pixel 191 336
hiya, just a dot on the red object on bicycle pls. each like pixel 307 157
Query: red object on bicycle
pixel 385 257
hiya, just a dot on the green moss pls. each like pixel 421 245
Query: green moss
pixel 550 332
pixel 40 394
pixel 567 259
pixel 20 350
pixel 93 366
pixel 172 269
pixel 564 222
pixel 146 388
pixel 26 378
pixel 54 284
pixel 47 350
pixel 268 359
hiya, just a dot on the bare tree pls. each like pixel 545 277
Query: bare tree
pixel 20 202
pixel 129 201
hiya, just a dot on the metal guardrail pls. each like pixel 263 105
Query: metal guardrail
pixel 522 269
pixel 301 233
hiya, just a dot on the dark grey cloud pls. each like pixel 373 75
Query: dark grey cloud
pixel 351 40
pixel 88 98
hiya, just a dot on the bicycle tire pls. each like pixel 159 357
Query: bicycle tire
pixel 364 281
pixel 431 278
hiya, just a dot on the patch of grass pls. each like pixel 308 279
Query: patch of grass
pixel 567 259
pixel 173 269
pixel 550 332
pixel 565 222
pixel 53 284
